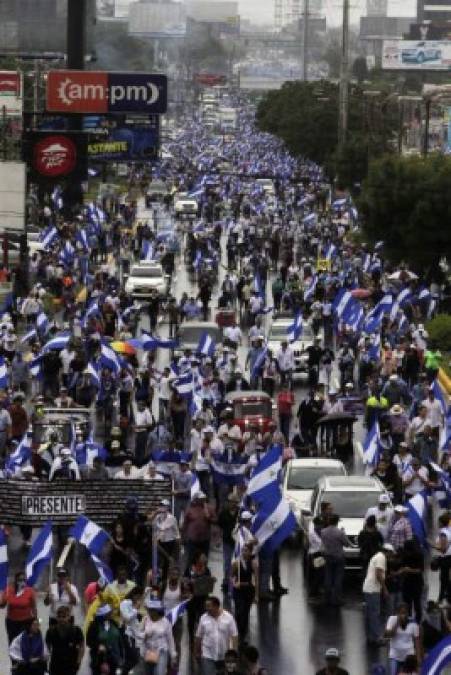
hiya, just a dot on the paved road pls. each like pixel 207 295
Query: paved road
pixel 291 634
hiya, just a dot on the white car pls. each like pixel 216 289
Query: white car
pixel 350 498
pixel 279 332
pixel 184 205
pixel 145 277
pixel 301 476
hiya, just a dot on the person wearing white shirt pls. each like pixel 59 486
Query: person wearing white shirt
pixel 216 633
pixel 404 638
pixel 61 594
pixel 315 558
pixel 285 361
pixel 403 458
pixel 383 514
pixel 67 355
pixel 149 472
pixel 434 412
pixel 164 392
pixel 233 335
pixel 373 586
pixel 131 620
pixel 128 471
pixel 158 646
pixel 415 478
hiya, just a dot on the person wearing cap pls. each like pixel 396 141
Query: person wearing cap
pixel 158 647
pixel 167 535
pixel 383 514
pixel 373 589
pixel 399 423
pixel 332 667
pixel 128 471
pixel 401 529
pixel 64 400
pixel 61 593
pixel 64 467
pixel 105 642
pixel 196 528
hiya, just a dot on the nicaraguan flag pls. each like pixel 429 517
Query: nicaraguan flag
pixel 374 351
pixel 3 561
pixel 89 534
pixel 42 323
pixel 184 384
pixel 86 452
pixel 342 302
pixel 230 471
pixel 195 485
pixel 39 554
pixel 309 292
pixel 206 345
pixel 148 342
pixel 339 203
pixel 355 318
pixel 309 219
pixel 424 294
pixel 95 377
pixel 48 236
pixel 21 455
pixel 259 363
pixel 35 367
pixel 403 323
pixel 367 263
pixel 109 359
pixel 371 446
pixel 273 523
pixel 264 480
pixel 176 612
pixel 31 335
pixel 102 568
pixel 438 658
pixel 82 237
pixel 58 342
pixel 404 296
pixel 330 251
pixel 3 373
pixel 67 254
pixel 294 331
pixel 92 310
pixel 416 513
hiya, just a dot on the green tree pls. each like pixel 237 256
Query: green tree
pixel 406 202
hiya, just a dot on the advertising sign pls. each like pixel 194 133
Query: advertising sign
pixel 11 93
pixel 56 156
pixel 413 55
pixel 79 91
pixel 50 505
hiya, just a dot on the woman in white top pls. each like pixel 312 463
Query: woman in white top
pixel 131 620
pixel 173 596
pixel 404 639
pixel 168 536
pixel 158 647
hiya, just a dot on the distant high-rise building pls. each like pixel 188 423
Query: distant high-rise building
pixel 290 11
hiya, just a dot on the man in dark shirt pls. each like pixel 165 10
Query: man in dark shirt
pixel 227 519
pixel 65 643
pixel 332 656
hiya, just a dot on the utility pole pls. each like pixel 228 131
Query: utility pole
pixel 76 49
pixel 344 78
pixel 305 41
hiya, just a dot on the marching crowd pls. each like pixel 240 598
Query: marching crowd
pixel 74 340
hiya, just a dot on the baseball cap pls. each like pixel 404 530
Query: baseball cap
pixel 388 547
pixel 246 515
pixel 332 653
pixel 399 508
pixel 384 499
pixel 200 495
pixel 165 502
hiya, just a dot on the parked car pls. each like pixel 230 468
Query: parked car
pixel 145 277
pixel 420 53
pixel 278 333
pixel 301 476
pixel 251 408
pixel 185 206
pixel 350 497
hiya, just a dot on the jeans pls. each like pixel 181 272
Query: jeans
pixel 394 666
pixel 227 553
pixel 210 667
pixel 373 616
pixel 333 583
pixel 159 668
pixel 265 569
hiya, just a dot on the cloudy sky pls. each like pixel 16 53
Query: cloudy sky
pixel 262 11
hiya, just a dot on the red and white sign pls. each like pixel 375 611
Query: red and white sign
pixel 55 156
pixel 10 93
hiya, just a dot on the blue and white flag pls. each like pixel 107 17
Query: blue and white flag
pixel 48 236
pixel 259 363
pixel 89 534
pixel 35 367
pixel 330 251
pixel 3 373
pixel 102 568
pixel 31 335
pixel 93 372
pixel 442 490
pixel 40 554
pixel 240 542
pixel 195 485
pixel 109 359
pixel 148 342
pixel 339 203
pixel 416 513
pixel 438 658
pixel 367 262
pixel 147 250
pixel 226 471
pixel 294 330
pixel 88 451
pixel 273 524
pixel 206 345
pixel 176 612
pixel 197 260
pixel 404 296
pixel 371 446
pixel 264 480
pixel 67 254
pixel 424 294
pixel 3 561
pixel 309 292
pixel 184 384
pixel 342 303
pixel 374 352
pixel 82 238
pixel 309 219
pixel 58 342
pixel 42 323
pixel 91 311
pixel 20 456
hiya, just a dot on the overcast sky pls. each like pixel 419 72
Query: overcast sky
pixel 262 11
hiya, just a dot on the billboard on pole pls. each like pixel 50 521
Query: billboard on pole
pixel 13 184
pixel 11 93
pixel 416 55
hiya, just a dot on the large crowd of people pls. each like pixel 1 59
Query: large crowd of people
pixel 74 340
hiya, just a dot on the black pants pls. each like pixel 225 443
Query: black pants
pixel 243 598
pixel 15 628
pixel 171 550
pixel 131 654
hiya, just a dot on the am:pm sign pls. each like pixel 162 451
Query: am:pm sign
pixel 79 91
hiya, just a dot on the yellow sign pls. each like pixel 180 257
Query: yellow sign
pixel 323 265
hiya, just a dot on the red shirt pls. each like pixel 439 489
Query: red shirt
pixel 20 607
pixel 285 401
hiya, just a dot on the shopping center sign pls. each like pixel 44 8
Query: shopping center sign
pixel 79 91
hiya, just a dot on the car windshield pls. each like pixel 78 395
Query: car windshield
pixel 153 272
pixel 244 409
pixel 305 478
pixel 192 334
pixel 351 504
